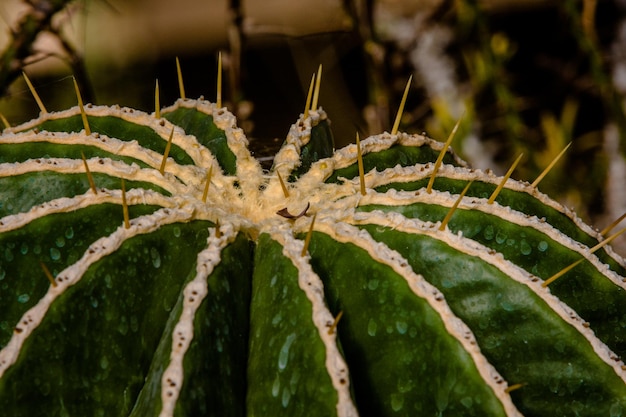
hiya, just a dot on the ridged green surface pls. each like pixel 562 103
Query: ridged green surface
pixel 210 303
pixel 502 314
pixel 286 358
pixel 118 128
pixel 201 125
pixel 390 335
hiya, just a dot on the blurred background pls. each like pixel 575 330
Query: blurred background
pixel 523 76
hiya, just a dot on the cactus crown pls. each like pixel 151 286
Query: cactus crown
pixel 150 266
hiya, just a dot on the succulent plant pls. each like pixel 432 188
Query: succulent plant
pixel 150 266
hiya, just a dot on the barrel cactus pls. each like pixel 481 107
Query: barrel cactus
pixel 149 266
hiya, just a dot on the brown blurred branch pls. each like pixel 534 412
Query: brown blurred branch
pixel 19 51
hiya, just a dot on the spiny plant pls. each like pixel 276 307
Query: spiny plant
pixel 150 266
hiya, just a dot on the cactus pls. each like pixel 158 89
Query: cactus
pixel 150 266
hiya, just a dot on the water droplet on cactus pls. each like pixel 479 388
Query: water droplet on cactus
pixel 542 246
pixel 525 247
pixel 467 402
pixel 69 232
pixel 501 237
pixel 286 397
pixel 402 327
pixel 104 362
pixel 24 248
pixel 23 298
pixel 55 254
pixel 60 242
pixel 488 232
pixel 371 327
pixel 397 402
pixel 372 284
pixel 491 342
pixel 507 305
pixel 8 254
pixel 405 384
pixel 283 356
pixel 616 410
pixel 448 282
pixel 276 386
pixel 156 257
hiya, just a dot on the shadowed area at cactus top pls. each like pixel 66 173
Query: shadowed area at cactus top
pixel 149 266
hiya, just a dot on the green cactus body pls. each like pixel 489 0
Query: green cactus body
pixel 224 298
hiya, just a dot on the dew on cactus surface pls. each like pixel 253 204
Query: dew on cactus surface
pixel 401 326
pixel 372 327
pixel 385 278
pixel 397 402
pixel 156 257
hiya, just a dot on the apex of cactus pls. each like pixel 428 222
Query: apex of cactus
pixel 150 266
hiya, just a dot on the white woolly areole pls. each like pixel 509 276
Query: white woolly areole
pixel 66 205
pixel 96 165
pixel 130 149
pixel 347 156
pixel 162 127
pixel 288 157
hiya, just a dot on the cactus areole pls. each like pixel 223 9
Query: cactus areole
pixel 149 266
